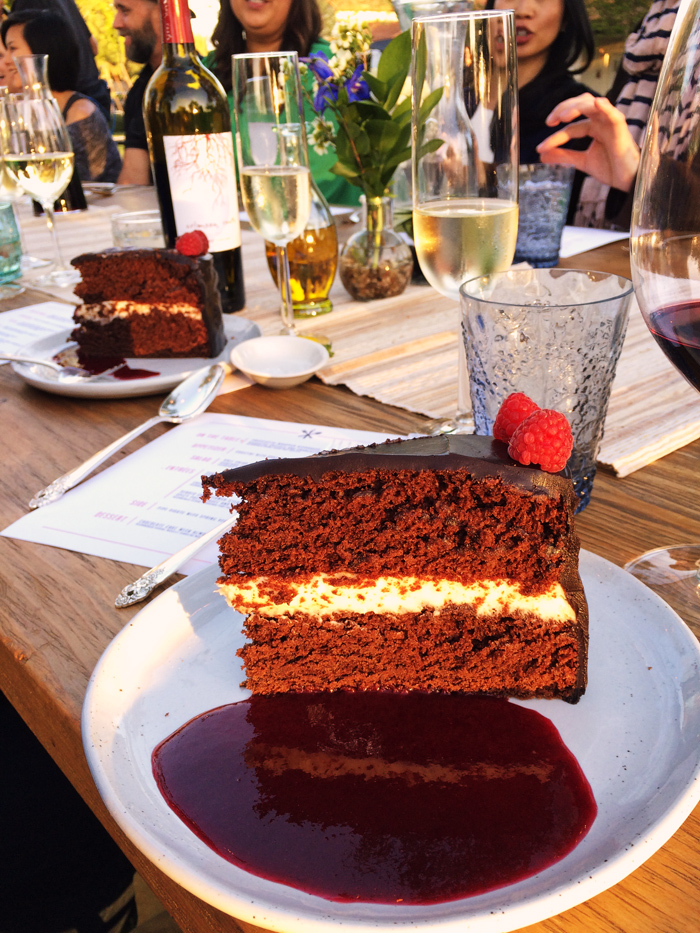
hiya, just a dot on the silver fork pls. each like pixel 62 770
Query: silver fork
pixel 142 588
pixel 68 374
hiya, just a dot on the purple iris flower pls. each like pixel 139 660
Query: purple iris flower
pixel 356 87
pixel 326 94
pixel 318 64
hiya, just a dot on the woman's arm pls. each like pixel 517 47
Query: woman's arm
pixel 613 155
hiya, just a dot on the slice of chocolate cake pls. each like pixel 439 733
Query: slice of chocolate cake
pixel 435 564
pixel 147 303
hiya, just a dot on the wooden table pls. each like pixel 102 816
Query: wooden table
pixel 57 611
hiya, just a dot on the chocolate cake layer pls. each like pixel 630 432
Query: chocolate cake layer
pixel 428 564
pixel 148 302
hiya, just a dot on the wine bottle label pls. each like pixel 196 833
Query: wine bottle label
pixel 175 20
pixel 202 178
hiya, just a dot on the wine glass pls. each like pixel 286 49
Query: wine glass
pixel 273 160
pixel 38 157
pixel 464 156
pixel 665 259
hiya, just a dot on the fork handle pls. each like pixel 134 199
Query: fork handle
pixel 56 489
pixel 143 587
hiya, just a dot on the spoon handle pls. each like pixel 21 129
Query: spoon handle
pixel 56 489
pixel 27 359
pixel 143 587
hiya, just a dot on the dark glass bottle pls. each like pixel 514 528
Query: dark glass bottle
pixel 188 125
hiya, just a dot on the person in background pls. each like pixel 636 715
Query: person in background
pixel 617 131
pixel 274 26
pixel 554 42
pixel 88 81
pixel 36 32
pixel 138 22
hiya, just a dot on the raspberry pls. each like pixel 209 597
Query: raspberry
pixel 512 412
pixel 544 437
pixel 194 243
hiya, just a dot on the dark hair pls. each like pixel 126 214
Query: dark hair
pixel 302 29
pixel 49 34
pixel 574 41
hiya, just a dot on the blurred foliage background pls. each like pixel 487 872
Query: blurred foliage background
pixel 612 21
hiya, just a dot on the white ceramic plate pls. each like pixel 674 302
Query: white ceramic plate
pixel 170 372
pixel 635 733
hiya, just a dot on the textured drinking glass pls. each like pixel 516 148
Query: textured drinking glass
pixel 545 192
pixel 10 244
pixel 142 229
pixel 554 334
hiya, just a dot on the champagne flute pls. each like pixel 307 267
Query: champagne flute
pixel 464 156
pixel 273 160
pixel 38 157
pixel 10 191
pixel 665 259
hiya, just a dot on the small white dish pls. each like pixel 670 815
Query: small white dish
pixel 279 362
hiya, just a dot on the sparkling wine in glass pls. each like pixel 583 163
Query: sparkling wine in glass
pixel 464 155
pixel 38 157
pixel 665 258
pixel 273 162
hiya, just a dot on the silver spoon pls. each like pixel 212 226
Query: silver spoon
pixel 188 399
pixel 143 587
pixel 67 374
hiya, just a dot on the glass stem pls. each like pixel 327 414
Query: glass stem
pixel 48 210
pixel 287 308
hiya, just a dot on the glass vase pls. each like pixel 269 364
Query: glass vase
pixel 313 260
pixel 375 262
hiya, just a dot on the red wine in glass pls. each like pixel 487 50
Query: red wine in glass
pixel 676 329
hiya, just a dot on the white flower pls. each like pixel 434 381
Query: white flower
pixel 340 62
pixel 321 135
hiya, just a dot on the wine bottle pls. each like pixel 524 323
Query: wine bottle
pixel 188 126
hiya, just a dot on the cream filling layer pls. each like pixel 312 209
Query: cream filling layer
pixel 104 311
pixel 322 595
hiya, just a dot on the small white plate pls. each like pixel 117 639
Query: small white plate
pixel 279 362
pixel 169 373
pixel 635 734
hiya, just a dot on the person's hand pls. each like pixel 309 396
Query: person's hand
pixel 612 157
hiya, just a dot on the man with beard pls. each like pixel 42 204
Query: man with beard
pixel 138 22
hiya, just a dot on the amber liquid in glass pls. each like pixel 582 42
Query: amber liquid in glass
pixel 313 259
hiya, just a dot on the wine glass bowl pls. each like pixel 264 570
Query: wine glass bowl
pixel 273 161
pixel 665 261
pixel 464 155
pixel 38 157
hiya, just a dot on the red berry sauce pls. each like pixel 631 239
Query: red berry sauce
pixel 378 797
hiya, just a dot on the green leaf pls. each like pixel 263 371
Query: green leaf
pixel 402 112
pixel 401 155
pixel 345 171
pixel 384 135
pixel 377 87
pixel 396 58
pixel 431 146
pixel 420 64
pixel 364 110
pixel 429 104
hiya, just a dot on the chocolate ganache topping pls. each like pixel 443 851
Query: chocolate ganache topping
pixel 477 455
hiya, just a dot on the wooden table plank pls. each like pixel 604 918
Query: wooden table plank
pixel 57 611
